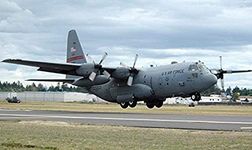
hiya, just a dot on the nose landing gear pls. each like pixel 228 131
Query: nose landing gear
pixel 196 97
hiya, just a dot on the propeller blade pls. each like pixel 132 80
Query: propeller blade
pixel 103 58
pixel 222 85
pixel 220 62
pixel 106 73
pixel 135 61
pixel 130 81
pixel 90 58
pixel 92 76
pixel 124 65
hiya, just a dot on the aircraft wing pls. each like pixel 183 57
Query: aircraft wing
pixel 46 66
pixel 60 68
pixel 236 71
pixel 221 71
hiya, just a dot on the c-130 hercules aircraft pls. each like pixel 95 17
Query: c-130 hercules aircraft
pixel 128 85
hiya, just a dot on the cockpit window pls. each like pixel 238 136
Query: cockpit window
pixel 193 67
pixel 197 67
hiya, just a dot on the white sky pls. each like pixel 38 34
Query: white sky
pixel 159 31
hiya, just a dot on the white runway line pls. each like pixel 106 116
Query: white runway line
pixel 246 128
pixel 129 119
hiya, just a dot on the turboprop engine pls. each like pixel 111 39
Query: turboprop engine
pixel 85 82
pixel 92 70
pixel 85 70
pixel 121 73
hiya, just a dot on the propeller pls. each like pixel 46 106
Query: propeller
pixel 220 73
pixel 98 67
pixel 132 70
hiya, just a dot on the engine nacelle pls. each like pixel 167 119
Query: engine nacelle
pixel 128 93
pixel 141 91
pixel 85 70
pixel 85 82
pixel 121 73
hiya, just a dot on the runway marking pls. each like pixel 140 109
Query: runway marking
pixel 128 119
pixel 246 128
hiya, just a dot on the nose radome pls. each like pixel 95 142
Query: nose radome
pixel 212 79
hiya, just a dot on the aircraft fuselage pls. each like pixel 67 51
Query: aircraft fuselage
pixel 180 79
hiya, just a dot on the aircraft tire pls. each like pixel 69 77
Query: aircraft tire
pixel 150 105
pixel 196 97
pixel 193 97
pixel 124 105
pixel 159 104
pixel 133 104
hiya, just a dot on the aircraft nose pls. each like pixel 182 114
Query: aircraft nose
pixel 211 79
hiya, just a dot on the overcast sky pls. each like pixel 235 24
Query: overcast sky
pixel 159 31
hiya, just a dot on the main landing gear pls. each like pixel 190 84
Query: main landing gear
pixel 151 104
pixel 196 97
pixel 131 104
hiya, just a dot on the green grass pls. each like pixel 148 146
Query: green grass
pixel 169 109
pixel 53 135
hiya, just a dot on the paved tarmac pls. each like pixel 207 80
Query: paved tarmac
pixel 175 121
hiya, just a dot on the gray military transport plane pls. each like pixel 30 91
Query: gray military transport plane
pixel 127 85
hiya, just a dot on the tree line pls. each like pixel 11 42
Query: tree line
pixel 229 91
pixel 19 87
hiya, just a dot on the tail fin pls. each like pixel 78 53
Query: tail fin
pixel 74 49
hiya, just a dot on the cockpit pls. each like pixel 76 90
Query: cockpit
pixel 198 66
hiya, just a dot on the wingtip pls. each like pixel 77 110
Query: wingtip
pixel 6 60
pixel 11 60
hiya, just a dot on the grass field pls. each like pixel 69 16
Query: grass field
pixel 61 136
pixel 170 109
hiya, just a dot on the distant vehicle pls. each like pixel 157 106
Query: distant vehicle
pixel 246 101
pixel 127 85
pixel 13 100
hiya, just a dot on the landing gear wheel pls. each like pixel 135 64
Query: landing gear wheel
pixel 193 97
pixel 196 97
pixel 124 105
pixel 150 105
pixel 133 104
pixel 159 104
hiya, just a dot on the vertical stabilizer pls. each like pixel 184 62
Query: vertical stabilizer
pixel 74 49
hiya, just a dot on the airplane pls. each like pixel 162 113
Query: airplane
pixel 127 85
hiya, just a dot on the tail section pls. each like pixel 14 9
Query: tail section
pixel 74 51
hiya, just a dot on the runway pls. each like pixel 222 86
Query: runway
pixel 174 121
